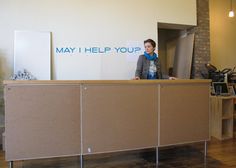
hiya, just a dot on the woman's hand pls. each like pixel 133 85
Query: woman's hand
pixel 136 78
pixel 172 78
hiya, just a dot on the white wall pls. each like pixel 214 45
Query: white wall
pixel 89 23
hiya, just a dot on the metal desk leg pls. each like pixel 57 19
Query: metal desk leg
pixel 205 154
pixel 81 161
pixel 205 150
pixel 10 164
pixel 157 156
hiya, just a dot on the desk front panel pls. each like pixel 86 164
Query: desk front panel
pixel 184 113
pixel 42 121
pixel 119 117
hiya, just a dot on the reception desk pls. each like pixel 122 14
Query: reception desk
pixel 47 119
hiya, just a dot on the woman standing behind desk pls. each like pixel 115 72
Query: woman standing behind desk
pixel 148 65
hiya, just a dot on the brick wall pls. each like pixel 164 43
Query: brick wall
pixel 201 54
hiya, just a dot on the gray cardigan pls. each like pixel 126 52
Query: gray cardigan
pixel 143 67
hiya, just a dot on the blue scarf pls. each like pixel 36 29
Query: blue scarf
pixel 149 57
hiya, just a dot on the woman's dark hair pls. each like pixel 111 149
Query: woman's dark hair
pixel 152 42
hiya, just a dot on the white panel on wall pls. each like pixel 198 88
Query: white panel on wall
pixel 32 51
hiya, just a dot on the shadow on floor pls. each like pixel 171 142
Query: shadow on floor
pixel 174 157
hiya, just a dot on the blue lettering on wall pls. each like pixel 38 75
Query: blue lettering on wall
pixel 137 49
pixel 97 50
pixel 127 49
pixel 65 50
pixel 117 49
pixel 87 50
pixel 59 50
pixel 123 50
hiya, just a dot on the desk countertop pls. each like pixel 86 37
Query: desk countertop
pixel 32 82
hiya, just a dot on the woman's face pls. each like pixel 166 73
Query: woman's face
pixel 149 48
